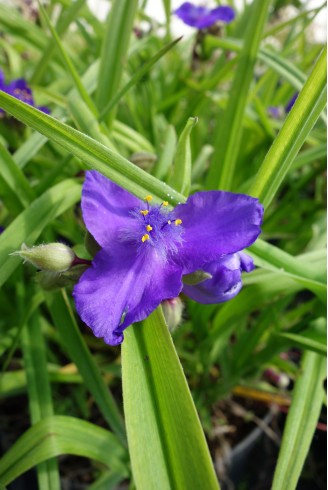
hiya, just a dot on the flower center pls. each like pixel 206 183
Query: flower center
pixel 156 227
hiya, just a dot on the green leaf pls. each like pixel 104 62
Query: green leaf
pixel 230 128
pixel 15 178
pixel 168 14
pixel 28 226
pixel 39 393
pixel 13 383
pixel 282 25
pixel 166 442
pixel 310 155
pixel 167 154
pixel 262 289
pixel 312 338
pixel 72 339
pixel 108 481
pixel 57 435
pixel 181 171
pixel 67 62
pixel 114 49
pixel 136 77
pixel 302 271
pixel 87 121
pixel 13 22
pixel 301 422
pixel 305 342
pixel 63 24
pixel 93 154
pixel 298 124
pixel 287 70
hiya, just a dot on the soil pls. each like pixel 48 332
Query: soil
pixel 234 421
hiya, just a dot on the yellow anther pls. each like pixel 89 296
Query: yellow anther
pixel 178 222
pixel 165 203
pixel 148 198
pixel 145 237
pixel 144 212
pixel 149 228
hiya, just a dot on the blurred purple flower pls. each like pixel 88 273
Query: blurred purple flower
pixel 146 249
pixel 277 112
pixel 19 89
pixel 274 112
pixel 203 17
pixel 291 102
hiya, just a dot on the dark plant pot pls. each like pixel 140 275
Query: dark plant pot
pixel 242 455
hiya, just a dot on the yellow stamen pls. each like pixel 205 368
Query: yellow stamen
pixel 178 222
pixel 148 198
pixel 165 203
pixel 149 228
pixel 144 212
pixel 145 238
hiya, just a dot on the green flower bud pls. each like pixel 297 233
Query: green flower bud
pixel 172 310
pixel 196 277
pixel 52 257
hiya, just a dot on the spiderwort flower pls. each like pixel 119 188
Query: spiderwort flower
pixel 203 17
pixel 146 249
pixel 19 89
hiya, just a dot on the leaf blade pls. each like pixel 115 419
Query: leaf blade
pixel 301 422
pixel 153 378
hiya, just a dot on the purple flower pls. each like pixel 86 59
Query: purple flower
pixel 19 89
pixel 203 17
pixel 146 249
pixel 291 102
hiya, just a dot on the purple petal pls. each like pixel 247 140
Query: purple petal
pixel 225 283
pixel 2 80
pixel 43 108
pixel 246 262
pixel 106 208
pixel 202 17
pixel 217 223
pixel 20 84
pixel 224 13
pixel 20 90
pixel 291 102
pixel 275 112
pixel 121 288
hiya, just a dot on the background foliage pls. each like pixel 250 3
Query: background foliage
pixel 166 117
